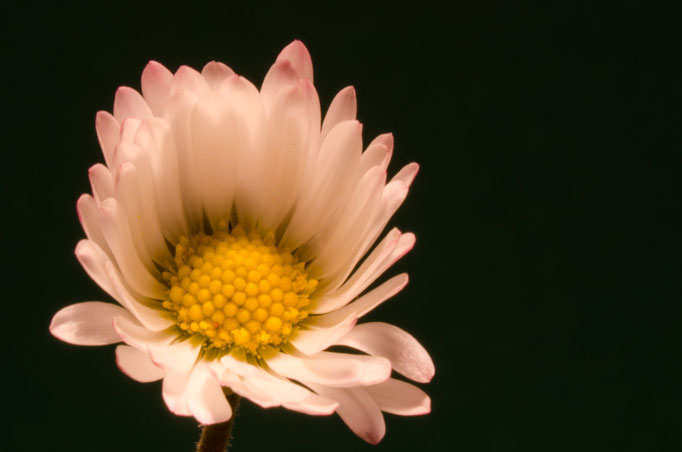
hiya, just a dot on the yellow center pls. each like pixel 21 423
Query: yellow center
pixel 233 289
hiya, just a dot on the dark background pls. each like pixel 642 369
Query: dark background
pixel 545 281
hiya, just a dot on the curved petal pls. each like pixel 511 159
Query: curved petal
pixel 177 357
pixel 407 356
pixel 152 319
pixel 174 392
pixel 350 225
pixel 156 86
pixel 107 128
pixel 292 396
pixel 178 116
pixel 137 365
pixel 332 369
pixel 205 397
pixel 401 398
pixel 286 153
pixel 189 79
pixel 344 107
pixel 314 340
pixel 367 302
pixel 117 234
pixel 216 139
pixel 135 334
pixel 88 323
pixel 299 57
pixel 94 260
pixel 215 73
pixel 101 181
pixel 358 410
pixel 330 185
pixel 128 103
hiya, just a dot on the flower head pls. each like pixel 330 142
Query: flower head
pixel 235 229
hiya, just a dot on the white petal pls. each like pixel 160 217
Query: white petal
pixel 117 234
pixel 350 229
pixel 152 318
pixel 177 357
pixel 107 133
pixel 314 340
pixel 88 214
pixel 174 391
pixel 135 334
pixel 237 362
pixel 367 302
pixel 292 65
pixel 189 79
pixel 344 107
pixel 358 410
pixel 178 116
pixel 244 102
pixel 286 153
pixel 134 192
pixel 137 365
pixel 392 197
pixel 331 183
pixel 205 397
pixel 401 398
pixel 215 73
pixel 372 267
pixel 101 181
pixel 217 137
pixel 385 139
pixel 156 85
pixel 367 275
pixel 407 356
pixel 88 323
pixel 94 260
pixel 166 175
pixel 281 75
pixel 332 369
pixel 378 153
pixel 292 396
pixel 128 103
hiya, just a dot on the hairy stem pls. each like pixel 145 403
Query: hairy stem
pixel 215 438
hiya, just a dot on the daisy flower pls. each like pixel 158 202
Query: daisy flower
pixel 237 231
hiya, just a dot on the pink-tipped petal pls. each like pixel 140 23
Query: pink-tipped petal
pixel 215 73
pixel 101 181
pixel 88 323
pixel 280 76
pixel 407 174
pixel 344 107
pixel 298 55
pixel 358 410
pixel 401 398
pixel 407 356
pixel 128 103
pixel 189 79
pixel 137 365
pixel 156 86
pixel 107 128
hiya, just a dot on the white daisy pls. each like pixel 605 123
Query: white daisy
pixel 234 228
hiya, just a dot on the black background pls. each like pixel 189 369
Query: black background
pixel 545 281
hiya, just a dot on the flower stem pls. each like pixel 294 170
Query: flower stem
pixel 215 438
